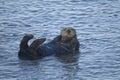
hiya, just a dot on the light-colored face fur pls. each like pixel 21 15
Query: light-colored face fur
pixel 68 32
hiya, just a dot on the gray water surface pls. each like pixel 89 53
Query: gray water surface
pixel 98 28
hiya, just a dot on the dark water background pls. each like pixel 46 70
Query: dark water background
pixel 98 28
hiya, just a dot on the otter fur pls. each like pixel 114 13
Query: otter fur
pixel 65 43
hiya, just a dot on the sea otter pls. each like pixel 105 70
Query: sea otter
pixel 65 43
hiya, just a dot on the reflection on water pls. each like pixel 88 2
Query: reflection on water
pixel 49 68
pixel 97 24
pixel 68 58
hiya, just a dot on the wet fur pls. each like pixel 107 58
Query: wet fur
pixel 68 38
pixel 66 42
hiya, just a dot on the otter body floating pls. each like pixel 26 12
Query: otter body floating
pixel 65 43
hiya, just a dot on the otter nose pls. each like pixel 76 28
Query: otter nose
pixel 68 31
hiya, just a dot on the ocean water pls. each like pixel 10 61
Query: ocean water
pixel 97 23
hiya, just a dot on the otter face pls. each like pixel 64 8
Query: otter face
pixel 68 32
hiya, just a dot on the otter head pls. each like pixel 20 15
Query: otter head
pixel 68 33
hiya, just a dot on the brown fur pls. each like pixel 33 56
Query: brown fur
pixel 66 40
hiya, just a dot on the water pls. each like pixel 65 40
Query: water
pixel 98 28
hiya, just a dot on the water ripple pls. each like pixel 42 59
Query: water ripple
pixel 97 25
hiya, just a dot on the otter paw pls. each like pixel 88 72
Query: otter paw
pixel 37 42
pixel 40 41
pixel 28 37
